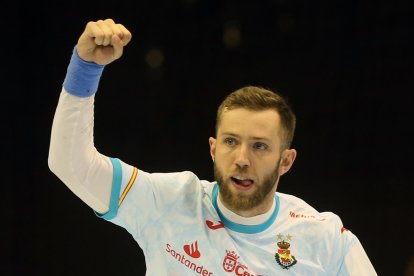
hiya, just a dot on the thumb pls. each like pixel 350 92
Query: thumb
pixel 118 46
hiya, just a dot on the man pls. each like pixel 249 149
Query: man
pixel 238 225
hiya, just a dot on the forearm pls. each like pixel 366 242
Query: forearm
pixel 72 154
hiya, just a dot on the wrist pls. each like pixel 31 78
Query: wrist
pixel 82 77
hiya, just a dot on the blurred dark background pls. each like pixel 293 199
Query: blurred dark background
pixel 345 67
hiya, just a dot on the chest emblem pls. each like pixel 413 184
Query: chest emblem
pixel 283 255
pixel 230 261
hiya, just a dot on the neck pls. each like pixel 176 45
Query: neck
pixel 257 215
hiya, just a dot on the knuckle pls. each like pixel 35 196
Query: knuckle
pixel 90 24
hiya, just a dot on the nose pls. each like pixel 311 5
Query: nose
pixel 242 158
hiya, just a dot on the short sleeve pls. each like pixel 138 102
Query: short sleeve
pixel 153 194
pixel 356 261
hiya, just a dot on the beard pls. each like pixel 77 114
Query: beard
pixel 239 201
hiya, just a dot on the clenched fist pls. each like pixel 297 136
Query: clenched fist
pixel 103 41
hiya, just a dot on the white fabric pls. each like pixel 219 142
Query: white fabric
pixel 73 156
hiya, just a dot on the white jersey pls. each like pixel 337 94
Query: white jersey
pixel 176 220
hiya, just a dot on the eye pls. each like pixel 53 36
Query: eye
pixel 230 141
pixel 260 146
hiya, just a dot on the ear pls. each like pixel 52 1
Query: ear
pixel 212 142
pixel 288 156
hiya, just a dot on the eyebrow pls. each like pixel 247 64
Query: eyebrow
pixel 250 138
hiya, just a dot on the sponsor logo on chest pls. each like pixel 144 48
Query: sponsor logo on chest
pixel 193 252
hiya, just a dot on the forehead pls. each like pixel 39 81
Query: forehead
pixel 251 123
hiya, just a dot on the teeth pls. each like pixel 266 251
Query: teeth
pixel 241 178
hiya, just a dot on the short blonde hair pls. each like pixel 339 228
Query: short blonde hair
pixel 257 99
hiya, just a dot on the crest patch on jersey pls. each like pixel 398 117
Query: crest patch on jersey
pixel 283 255
pixel 232 265
pixel 230 261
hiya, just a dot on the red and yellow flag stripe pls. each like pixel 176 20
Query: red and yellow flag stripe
pixel 128 186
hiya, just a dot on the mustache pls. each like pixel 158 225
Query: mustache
pixel 242 170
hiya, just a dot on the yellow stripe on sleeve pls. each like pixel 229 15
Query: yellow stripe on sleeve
pixel 128 186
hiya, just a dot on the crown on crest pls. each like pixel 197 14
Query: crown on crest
pixel 232 255
pixel 283 245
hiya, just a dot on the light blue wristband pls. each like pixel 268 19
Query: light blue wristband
pixel 82 77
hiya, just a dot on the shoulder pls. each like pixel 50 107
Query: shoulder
pixel 295 207
pixel 182 177
pixel 324 230
pixel 299 214
pixel 180 181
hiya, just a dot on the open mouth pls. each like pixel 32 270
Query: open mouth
pixel 242 182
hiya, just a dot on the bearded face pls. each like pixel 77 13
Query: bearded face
pixel 240 200
pixel 248 159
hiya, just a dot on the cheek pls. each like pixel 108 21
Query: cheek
pixel 269 166
pixel 223 162
pixel 219 162
pixel 223 154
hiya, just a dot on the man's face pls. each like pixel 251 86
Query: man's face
pixel 247 159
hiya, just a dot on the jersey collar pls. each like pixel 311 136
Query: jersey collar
pixel 241 228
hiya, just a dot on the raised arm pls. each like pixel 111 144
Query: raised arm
pixel 72 154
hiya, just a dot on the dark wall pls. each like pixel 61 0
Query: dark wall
pixel 344 66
